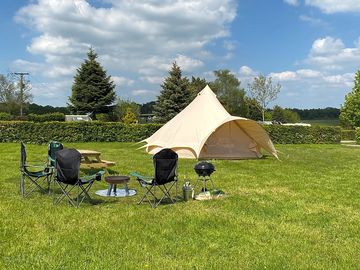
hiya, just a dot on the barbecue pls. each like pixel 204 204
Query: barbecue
pixel 204 169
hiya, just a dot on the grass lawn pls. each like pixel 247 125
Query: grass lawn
pixel 300 213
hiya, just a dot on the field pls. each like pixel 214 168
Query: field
pixel 302 212
pixel 323 122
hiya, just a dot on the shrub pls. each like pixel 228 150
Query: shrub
pixel 46 117
pixel 348 135
pixel 31 132
pixel 303 135
pixel 102 117
pixel 5 116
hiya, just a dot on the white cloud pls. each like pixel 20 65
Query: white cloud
pixel 284 76
pixel 122 81
pixel 334 6
pixel 139 39
pixel 331 54
pixel 188 64
pixel 152 79
pixel 313 21
pixel 247 71
pixel 143 92
pixel 292 2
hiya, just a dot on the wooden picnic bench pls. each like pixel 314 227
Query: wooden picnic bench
pixel 91 160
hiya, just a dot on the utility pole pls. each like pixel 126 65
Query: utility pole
pixel 22 88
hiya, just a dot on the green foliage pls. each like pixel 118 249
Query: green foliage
pixel 303 135
pixel 196 85
pixel 46 117
pixel 348 135
pixel 129 117
pixel 253 109
pixel 357 135
pixel 92 90
pixel 39 109
pixel 229 92
pixel 102 117
pixel 284 115
pixel 125 106
pixel 74 132
pixel 5 116
pixel 174 96
pixel 315 114
pixel 350 111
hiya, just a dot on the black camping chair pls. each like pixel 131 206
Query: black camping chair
pixel 165 165
pixel 32 176
pixel 67 177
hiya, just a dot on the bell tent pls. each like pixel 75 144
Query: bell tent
pixel 205 130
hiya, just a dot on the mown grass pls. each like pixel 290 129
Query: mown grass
pixel 300 213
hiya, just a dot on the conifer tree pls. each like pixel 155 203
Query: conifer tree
pixel 92 89
pixel 174 96
pixel 350 111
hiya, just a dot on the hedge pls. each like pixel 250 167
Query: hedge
pixel 46 117
pixel 95 131
pixel 303 135
pixel 348 135
pixel 31 132
pixel 357 135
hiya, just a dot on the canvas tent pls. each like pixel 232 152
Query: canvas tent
pixel 204 130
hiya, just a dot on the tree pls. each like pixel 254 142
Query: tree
pixel 196 85
pixel 228 90
pixel 350 111
pixel 123 107
pixel 253 111
pixel 129 117
pixel 263 91
pixel 13 95
pixel 174 96
pixel 92 90
pixel 284 115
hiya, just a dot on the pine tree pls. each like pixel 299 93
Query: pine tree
pixel 350 111
pixel 174 96
pixel 92 90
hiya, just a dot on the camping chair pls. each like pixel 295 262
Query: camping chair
pixel 53 147
pixel 165 165
pixel 32 175
pixel 67 177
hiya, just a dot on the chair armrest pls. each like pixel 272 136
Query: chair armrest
pixel 96 176
pixel 146 179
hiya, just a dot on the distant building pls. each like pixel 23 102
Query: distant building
pixel 77 118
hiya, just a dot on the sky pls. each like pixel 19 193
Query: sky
pixel 311 47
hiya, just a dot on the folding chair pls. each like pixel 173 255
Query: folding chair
pixel 53 147
pixel 67 177
pixel 165 177
pixel 32 176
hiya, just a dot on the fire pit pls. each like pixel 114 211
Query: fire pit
pixel 204 169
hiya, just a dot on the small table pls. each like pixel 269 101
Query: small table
pixel 112 191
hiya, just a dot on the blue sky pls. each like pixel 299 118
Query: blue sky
pixel 311 47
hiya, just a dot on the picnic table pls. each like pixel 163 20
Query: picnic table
pixel 91 160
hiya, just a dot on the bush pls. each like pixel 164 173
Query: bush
pixel 347 135
pixel 102 117
pixel 303 135
pixel 95 131
pixel 5 116
pixel 31 132
pixel 46 117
